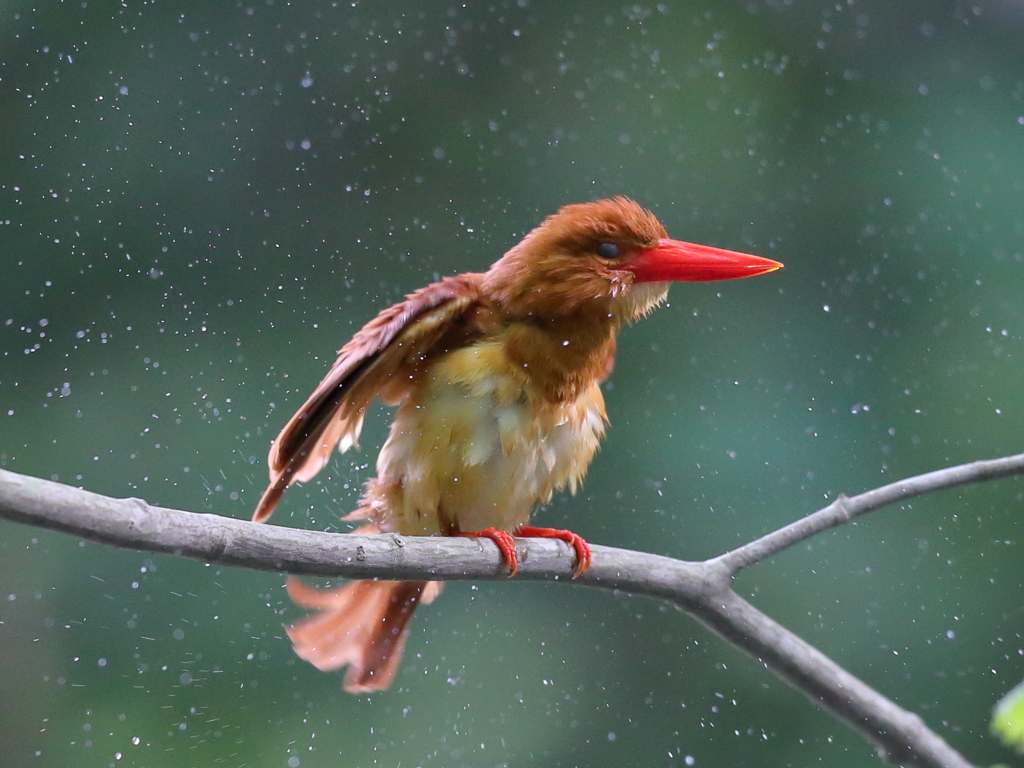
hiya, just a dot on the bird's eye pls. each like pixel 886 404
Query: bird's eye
pixel 608 251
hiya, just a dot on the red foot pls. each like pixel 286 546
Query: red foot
pixel 570 538
pixel 506 546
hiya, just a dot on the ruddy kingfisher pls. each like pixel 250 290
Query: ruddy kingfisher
pixel 496 378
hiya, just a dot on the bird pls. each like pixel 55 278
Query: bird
pixel 496 381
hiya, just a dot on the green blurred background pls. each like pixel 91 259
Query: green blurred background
pixel 199 203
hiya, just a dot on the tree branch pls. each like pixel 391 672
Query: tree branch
pixel 700 589
pixel 844 508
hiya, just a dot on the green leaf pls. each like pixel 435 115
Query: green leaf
pixel 1008 719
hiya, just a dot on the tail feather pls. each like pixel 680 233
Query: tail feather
pixel 360 625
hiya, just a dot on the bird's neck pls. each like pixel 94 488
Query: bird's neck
pixel 562 358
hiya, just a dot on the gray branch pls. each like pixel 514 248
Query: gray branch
pixel 700 589
pixel 845 508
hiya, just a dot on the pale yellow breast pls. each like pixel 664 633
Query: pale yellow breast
pixel 475 447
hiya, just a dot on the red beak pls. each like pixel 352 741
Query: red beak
pixel 689 263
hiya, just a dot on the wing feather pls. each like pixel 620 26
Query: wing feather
pixel 379 361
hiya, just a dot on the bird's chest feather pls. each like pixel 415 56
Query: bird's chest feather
pixel 475 446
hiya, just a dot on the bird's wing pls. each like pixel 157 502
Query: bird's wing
pixel 378 361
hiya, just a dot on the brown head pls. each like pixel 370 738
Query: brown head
pixel 611 257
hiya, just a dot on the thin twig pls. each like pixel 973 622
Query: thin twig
pixel 844 508
pixel 701 589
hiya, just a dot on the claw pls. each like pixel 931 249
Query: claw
pixel 506 545
pixel 573 540
pixel 504 542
